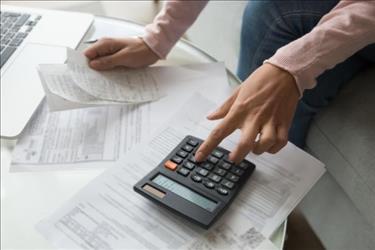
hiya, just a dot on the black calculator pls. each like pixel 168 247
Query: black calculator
pixel 199 191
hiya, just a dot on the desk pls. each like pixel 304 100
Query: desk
pixel 28 197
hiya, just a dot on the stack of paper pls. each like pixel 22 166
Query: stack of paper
pixel 108 214
pixel 98 136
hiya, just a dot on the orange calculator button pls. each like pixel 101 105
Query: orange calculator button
pixel 170 165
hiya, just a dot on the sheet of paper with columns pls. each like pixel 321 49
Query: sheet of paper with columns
pixel 96 136
pixel 108 214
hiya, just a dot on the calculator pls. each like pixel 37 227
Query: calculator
pixel 198 191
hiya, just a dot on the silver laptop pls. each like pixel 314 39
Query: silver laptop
pixel 30 37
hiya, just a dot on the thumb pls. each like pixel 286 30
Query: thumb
pixel 106 62
pixel 225 107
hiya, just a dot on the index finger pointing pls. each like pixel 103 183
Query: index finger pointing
pixel 225 128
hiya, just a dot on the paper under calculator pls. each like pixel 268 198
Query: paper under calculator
pixel 200 191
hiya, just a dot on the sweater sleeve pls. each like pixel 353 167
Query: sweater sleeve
pixel 170 24
pixel 346 29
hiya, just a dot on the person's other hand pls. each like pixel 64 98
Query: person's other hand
pixel 108 53
pixel 264 104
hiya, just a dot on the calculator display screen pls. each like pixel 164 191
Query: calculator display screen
pixel 185 192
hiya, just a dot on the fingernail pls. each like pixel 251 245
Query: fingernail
pixel 232 158
pixel 95 63
pixel 211 115
pixel 199 156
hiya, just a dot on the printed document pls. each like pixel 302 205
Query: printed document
pixel 75 85
pixel 97 136
pixel 108 214
pixel 81 138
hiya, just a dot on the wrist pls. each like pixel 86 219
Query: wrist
pixel 288 79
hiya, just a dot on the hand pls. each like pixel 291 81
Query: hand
pixel 264 104
pixel 108 53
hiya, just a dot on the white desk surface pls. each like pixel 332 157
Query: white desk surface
pixel 28 197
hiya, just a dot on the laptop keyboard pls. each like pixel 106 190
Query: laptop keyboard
pixel 14 29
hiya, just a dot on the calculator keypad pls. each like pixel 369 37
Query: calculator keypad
pixel 217 172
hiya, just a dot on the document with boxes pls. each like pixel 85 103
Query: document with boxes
pixel 107 213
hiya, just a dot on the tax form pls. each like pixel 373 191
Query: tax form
pixel 82 138
pixel 96 137
pixel 108 214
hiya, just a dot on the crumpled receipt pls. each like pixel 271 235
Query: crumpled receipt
pixel 121 85
pixel 75 85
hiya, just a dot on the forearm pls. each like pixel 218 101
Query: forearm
pixel 170 24
pixel 346 29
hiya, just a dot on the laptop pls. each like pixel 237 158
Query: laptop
pixel 30 37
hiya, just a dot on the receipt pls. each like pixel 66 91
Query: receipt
pixel 59 81
pixel 75 85
pixel 122 85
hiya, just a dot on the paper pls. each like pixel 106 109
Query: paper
pixel 233 235
pixel 108 214
pixel 77 138
pixel 60 81
pixel 47 134
pixel 121 85
pixel 75 85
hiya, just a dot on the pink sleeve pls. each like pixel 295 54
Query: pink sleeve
pixel 170 24
pixel 346 29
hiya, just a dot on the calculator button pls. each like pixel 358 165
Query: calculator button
pixel 217 153
pixel 207 165
pixel 237 171
pixel 222 191
pixel 209 184
pixel 189 165
pixel 227 184
pixel 227 159
pixel 220 171
pixel 225 165
pixel 182 153
pixel 245 164
pixel 187 148
pixel 183 171
pixel 213 159
pixel 196 178
pixel 232 177
pixel 192 159
pixel 193 142
pixel 202 171
pixel 177 159
pixel 214 177
pixel 170 165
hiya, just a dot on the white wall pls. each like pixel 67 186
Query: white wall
pixel 217 30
